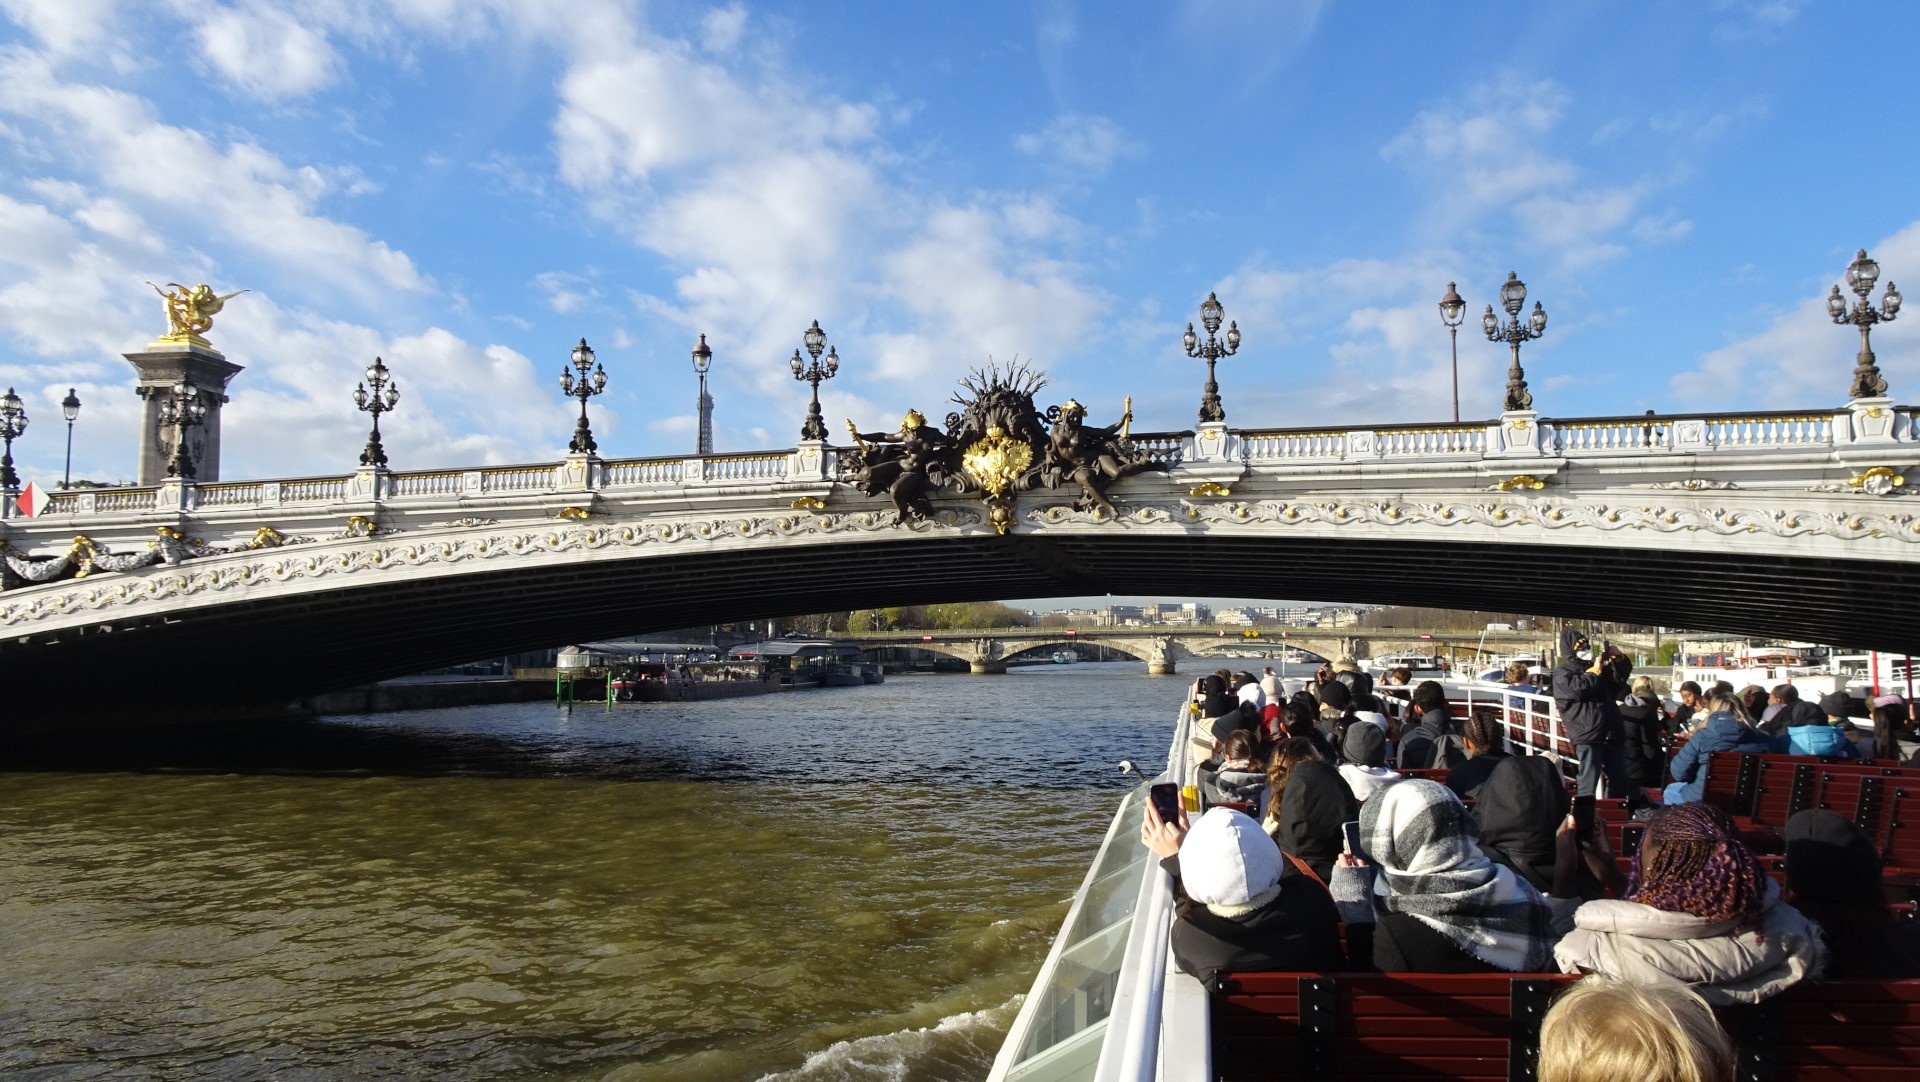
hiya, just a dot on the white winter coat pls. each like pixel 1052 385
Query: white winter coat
pixel 1726 964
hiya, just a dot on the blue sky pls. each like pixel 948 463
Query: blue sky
pixel 467 187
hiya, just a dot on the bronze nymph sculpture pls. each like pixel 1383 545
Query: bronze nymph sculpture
pixel 1094 458
pixel 903 464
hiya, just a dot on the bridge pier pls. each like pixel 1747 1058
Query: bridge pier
pixel 983 668
pixel 1162 657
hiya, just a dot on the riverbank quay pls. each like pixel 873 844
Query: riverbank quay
pixel 437 692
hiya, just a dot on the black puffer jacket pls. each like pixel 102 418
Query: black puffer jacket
pixel 1586 699
pixel 1644 728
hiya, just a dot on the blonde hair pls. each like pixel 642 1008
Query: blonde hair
pixel 1641 685
pixel 1718 701
pixel 1600 1030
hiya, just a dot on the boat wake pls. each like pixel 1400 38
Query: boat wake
pixel 958 1047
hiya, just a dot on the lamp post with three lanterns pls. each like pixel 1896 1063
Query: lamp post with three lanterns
pixel 816 340
pixel 1513 295
pixel 1212 350
pixel 182 410
pixel 381 399
pixel 1862 273
pixel 13 422
pixel 583 388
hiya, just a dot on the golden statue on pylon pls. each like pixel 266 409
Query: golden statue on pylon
pixel 190 311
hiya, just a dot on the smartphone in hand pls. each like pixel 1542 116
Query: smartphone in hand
pixel 1583 815
pixel 1166 801
pixel 1351 829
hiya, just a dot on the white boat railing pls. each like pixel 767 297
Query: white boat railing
pixel 1532 721
pixel 1094 1011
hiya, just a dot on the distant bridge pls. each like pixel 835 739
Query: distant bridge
pixel 990 649
pixel 1790 524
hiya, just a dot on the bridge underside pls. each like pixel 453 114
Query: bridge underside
pixel 270 652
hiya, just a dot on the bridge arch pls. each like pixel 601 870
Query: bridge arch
pixel 1791 526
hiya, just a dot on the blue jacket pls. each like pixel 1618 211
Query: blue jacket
pixel 1822 739
pixel 1724 732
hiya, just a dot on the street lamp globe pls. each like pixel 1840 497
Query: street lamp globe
pixel 70 405
pixel 1190 340
pixel 1211 312
pixel 1862 273
pixel 1452 308
pixel 1490 322
pixel 1513 294
pixel 796 364
pixel 1836 304
pixel 702 356
pixel 833 360
pixel 815 338
pixel 583 357
pixel 1538 319
pixel 1233 337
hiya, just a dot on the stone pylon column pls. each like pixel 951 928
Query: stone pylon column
pixel 988 657
pixel 1162 657
pixel 159 367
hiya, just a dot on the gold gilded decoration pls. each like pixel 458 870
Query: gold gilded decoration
pixel 1878 481
pixel 190 311
pixel 995 462
pixel 809 503
pixel 1211 488
pixel 1522 424
pixel 267 537
pixel 575 513
pixel 361 526
pixel 1521 480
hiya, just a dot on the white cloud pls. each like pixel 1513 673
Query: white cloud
pixel 1801 356
pixel 720 29
pixel 66 27
pixel 265 51
pixel 241 195
pixel 566 292
pixel 1083 144
pixel 1487 157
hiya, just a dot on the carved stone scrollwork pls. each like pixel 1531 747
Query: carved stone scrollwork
pixel 1696 484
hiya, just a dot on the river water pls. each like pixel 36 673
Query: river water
pixel 833 884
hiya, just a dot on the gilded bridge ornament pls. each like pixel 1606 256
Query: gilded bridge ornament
pixel 996 447
pixel 190 311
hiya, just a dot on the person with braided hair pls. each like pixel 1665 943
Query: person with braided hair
pixel 1700 911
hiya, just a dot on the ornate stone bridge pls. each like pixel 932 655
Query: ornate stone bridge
pixel 1792 524
pixel 1162 648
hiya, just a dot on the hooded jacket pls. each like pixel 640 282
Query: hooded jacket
pixel 1724 732
pixel 1519 807
pixel 1314 803
pixel 1808 733
pixel 1721 960
pixel 1296 931
pixel 1643 728
pixel 1586 699
pixel 1417 747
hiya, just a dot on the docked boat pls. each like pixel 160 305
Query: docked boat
pixel 1065 657
pixel 872 673
pixel 663 681
pixel 841 675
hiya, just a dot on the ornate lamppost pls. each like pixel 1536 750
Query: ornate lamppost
pixel 583 388
pixel 182 410
pixel 381 399
pixel 1512 296
pixel 816 340
pixel 702 359
pixel 1452 311
pixel 13 422
pixel 1861 274
pixel 1212 350
pixel 70 408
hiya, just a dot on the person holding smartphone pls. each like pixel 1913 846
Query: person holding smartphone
pixel 1247 908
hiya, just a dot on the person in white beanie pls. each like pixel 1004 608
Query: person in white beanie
pixel 1248 908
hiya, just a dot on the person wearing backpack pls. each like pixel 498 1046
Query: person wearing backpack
pixel 1436 741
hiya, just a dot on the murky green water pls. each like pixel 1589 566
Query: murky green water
pixel 844 884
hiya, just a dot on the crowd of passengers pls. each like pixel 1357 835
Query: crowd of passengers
pixel 1318 854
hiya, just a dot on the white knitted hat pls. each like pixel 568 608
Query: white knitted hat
pixel 1227 859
